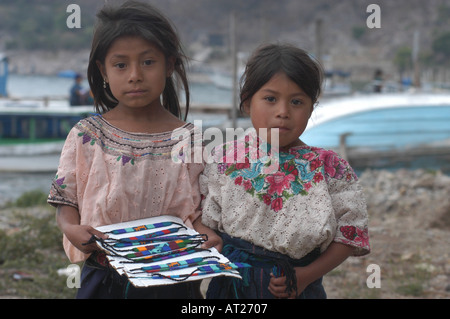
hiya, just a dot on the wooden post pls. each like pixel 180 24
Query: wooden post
pixel 415 58
pixel 234 73
pixel 318 40
pixel 343 145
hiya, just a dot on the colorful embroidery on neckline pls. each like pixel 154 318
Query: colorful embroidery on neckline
pixel 299 170
pixel 110 141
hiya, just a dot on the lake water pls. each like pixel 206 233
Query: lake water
pixel 420 126
pixel 12 185
pixel 36 86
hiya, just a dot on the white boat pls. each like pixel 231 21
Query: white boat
pixel 376 130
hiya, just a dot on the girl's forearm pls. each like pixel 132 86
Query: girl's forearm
pixel 68 220
pixel 333 256
pixel 67 216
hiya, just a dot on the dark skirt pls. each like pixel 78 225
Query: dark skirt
pixel 255 280
pixel 101 281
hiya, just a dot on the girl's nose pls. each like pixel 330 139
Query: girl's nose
pixel 283 110
pixel 135 73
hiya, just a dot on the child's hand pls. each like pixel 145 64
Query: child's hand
pixel 81 237
pixel 278 287
pixel 214 240
pixel 68 220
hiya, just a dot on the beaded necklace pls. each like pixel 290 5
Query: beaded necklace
pixel 176 265
pixel 144 257
pixel 144 227
pixel 203 270
pixel 127 242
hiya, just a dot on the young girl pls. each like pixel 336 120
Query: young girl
pixel 294 213
pixel 117 166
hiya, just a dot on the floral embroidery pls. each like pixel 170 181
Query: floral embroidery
pixel 87 138
pixel 125 159
pixel 295 174
pixel 129 148
pixel 355 235
pixel 60 182
pixel 348 232
pixel 278 182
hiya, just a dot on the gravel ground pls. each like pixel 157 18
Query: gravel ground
pixel 409 231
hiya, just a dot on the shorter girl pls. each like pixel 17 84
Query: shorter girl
pixel 294 213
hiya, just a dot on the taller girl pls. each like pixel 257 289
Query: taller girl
pixel 116 166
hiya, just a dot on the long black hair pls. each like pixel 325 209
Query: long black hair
pixel 271 59
pixel 135 18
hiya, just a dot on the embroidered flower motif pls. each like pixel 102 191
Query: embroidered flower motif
pixel 348 232
pixel 86 138
pixel 222 168
pixel 60 182
pixel 335 166
pixel 277 204
pixel 355 236
pixel 279 182
pixel 125 159
pixel 267 199
pixel 274 178
pixel 318 177
pixel 247 185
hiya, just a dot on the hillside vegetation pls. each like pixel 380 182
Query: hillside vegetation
pixel 346 39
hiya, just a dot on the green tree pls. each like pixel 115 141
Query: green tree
pixel 403 60
pixel 441 48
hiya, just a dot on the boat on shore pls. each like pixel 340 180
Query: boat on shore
pixel 371 131
pixel 32 132
pixel 385 130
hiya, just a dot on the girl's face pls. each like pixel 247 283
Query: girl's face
pixel 280 104
pixel 136 71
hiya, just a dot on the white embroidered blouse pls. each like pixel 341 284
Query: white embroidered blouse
pixel 302 199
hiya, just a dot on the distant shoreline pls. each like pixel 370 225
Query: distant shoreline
pixel 42 62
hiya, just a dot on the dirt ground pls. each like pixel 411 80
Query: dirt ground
pixel 409 229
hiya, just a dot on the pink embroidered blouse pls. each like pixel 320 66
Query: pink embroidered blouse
pixel 302 199
pixel 113 176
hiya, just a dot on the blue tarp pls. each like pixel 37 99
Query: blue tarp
pixel 67 74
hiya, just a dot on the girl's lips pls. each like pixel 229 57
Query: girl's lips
pixel 136 92
pixel 281 129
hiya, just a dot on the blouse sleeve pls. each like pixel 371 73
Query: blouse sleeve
pixel 63 190
pixel 350 209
